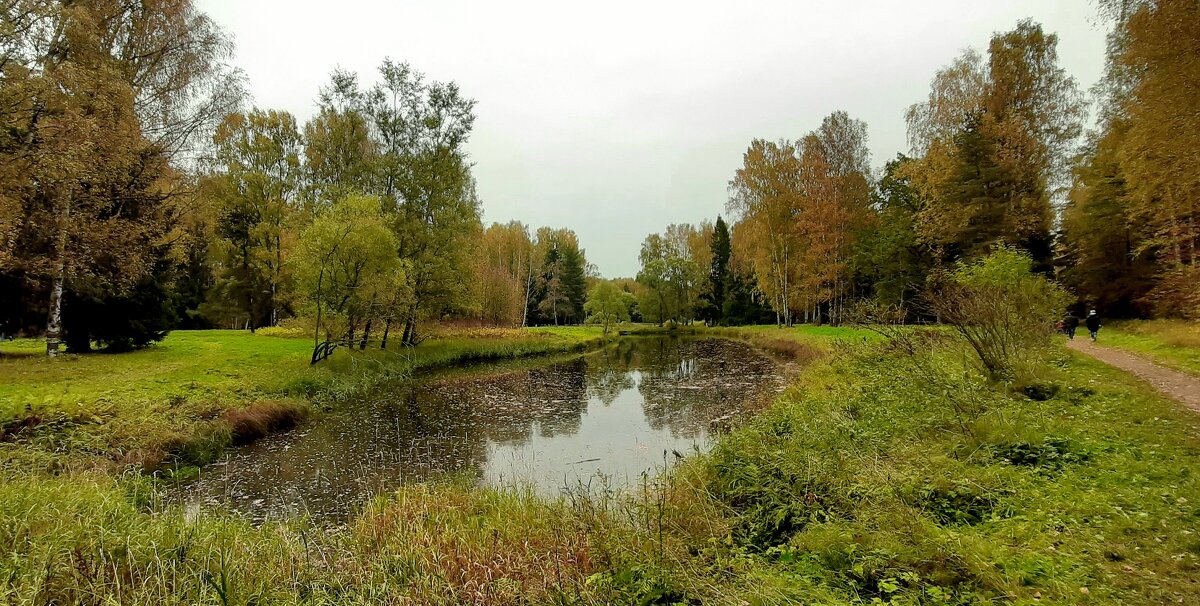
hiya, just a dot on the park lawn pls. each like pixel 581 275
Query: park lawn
pixel 191 394
pixel 1173 343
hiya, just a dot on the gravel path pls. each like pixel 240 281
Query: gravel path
pixel 1178 385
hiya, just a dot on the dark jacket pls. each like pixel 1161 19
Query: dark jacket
pixel 1071 321
pixel 1093 323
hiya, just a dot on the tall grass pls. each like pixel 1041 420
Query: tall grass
pixel 860 485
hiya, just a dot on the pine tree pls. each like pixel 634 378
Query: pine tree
pixel 714 292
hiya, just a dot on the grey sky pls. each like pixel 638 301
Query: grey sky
pixel 616 119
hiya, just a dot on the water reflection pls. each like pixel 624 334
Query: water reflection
pixel 612 413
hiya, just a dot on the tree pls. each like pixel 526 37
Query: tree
pixel 424 180
pixel 801 205
pixel 96 100
pixel 560 287
pixel 256 195
pixel 890 260
pixel 765 197
pixel 716 288
pixel 606 305
pixel 348 270
pixel 419 170
pixel 1158 53
pixel 339 154
pixel 993 143
pixel 1103 248
pixel 671 274
pixel 505 271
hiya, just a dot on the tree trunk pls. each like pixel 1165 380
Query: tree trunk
pixel 317 326
pixel 54 322
pixel 528 287
pixel 366 336
pixel 387 328
pixel 412 331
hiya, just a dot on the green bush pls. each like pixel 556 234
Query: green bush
pixel 1004 311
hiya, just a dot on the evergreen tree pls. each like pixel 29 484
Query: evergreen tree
pixel 891 263
pixel 574 282
pixel 712 298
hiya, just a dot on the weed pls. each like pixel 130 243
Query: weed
pixel 1050 455
pixel 956 503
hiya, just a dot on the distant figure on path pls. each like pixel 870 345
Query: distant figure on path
pixel 1093 323
pixel 1070 324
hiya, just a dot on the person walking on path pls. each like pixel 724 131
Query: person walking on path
pixel 1093 323
pixel 1070 324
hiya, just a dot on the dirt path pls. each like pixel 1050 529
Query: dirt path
pixel 1179 385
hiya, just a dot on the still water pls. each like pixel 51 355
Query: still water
pixel 603 418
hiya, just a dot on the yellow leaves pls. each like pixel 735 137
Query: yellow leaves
pixel 1159 155
pixel 798 203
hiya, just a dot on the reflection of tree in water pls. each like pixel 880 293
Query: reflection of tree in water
pixel 609 372
pixel 414 431
pixel 685 384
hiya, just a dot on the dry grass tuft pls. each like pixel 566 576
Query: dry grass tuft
pixel 263 418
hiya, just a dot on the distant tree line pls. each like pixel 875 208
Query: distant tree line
pixel 138 195
pixel 995 161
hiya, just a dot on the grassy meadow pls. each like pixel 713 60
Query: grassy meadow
pixel 884 475
pixel 1173 343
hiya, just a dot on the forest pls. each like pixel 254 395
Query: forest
pixel 1000 156
pixel 138 194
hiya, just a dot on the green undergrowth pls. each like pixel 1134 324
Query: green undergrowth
pixel 1173 343
pixel 882 476
pixel 184 400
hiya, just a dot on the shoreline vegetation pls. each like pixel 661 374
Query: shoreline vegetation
pixel 182 402
pixel 1076 486
pixel 179 404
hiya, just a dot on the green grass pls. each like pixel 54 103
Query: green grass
pixel 177 400
pixel 879 477
pixel 864 482
pixel 1173 343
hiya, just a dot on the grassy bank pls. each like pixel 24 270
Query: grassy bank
pixel 189 396
pixel 802 343
pixel 880 477
pixel 1173 343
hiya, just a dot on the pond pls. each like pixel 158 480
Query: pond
pixel 600 419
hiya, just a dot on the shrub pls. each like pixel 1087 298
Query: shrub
pixel 1000 308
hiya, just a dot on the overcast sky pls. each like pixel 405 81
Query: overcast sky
pixel 618 118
